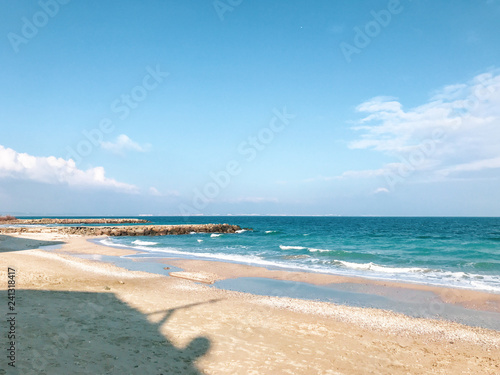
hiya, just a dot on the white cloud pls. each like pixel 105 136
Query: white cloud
pixel 381 190
pixel 122 144
pixel 155 192
pixel 474 166
pixel 380 103
pixel 457 131
pixel 54 170
pixel 368 173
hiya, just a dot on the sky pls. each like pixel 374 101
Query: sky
pixel 239 107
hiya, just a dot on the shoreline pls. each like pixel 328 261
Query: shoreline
pixel 213 271
pixel 217 270
pixel 240 330
pixel 469 307
pixel 472 299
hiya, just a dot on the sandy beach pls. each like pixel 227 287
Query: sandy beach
pixel 87 317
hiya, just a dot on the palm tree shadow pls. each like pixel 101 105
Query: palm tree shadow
pixel 60 332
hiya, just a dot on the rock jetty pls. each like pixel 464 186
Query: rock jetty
pixel 127 230
pixel 73 221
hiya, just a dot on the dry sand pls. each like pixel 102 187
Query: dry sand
pixel 78 316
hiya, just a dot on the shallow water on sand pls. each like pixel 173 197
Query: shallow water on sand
pixel 455 252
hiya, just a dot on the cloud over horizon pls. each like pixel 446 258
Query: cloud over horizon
pixel 457 132
pixel 52 170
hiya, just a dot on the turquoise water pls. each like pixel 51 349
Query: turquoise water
pixel 458 252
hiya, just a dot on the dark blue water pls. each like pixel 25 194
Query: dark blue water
pixel 458 252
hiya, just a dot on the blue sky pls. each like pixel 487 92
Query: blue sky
pixel 250 107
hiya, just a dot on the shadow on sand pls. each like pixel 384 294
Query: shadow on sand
pixel 93 333
pixel 9 243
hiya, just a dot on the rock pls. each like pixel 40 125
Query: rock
pixel 128 230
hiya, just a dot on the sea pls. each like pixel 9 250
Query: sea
pixel 460 252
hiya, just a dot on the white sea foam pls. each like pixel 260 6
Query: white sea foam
pixel 271 231
pixel 108 242
pixel 148 249
pixel 144 243
pixel 216 235
pixel 247 259
pixel 283 247
pixel 378 268
pixel 241 231
pixel 375 271
pixel 318 250
pixel 426 275
pixel 200 240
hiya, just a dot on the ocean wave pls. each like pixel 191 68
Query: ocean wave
pixel 151 250
pixel 302 256
pixel 314 262
pixel 200 240
pixel 213 235
pixel 318 250
pixel 283 247
pixel 246 259
pixel 241 231
pixel 107 242
pixel 144 243
pixel 378 268
pixel 272 232
pixel 485 266
pixel 427 274
pixel 404 274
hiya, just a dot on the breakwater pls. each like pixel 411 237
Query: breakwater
pixel 45 221
pixel 128 230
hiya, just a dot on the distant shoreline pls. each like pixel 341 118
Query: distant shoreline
pixel 43 221
pixel 24 217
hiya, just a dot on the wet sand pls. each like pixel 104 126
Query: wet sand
pixel 83 316
pixel 468 298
